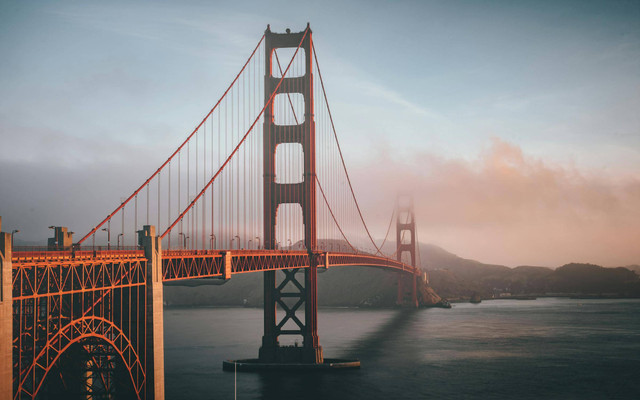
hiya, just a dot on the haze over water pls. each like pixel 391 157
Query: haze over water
pixel 544 349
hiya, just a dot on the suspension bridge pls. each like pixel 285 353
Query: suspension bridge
pixel 260 185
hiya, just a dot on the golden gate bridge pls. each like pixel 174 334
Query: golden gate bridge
pixel 260 185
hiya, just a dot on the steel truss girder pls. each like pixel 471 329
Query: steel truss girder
pixel 71 276
pixel 193 264
pixel 67 299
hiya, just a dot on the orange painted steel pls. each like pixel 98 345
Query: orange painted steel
pixel 65 298
pixel 84 328
pixel 194 264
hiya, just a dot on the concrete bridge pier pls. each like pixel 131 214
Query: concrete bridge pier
pixel 154 357
pixel 6 317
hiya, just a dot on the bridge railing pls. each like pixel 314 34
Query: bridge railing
pixel 21 254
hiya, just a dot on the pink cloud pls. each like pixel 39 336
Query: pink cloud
pixel 507 207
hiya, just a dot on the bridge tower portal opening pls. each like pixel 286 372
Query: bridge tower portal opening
pixel 302 193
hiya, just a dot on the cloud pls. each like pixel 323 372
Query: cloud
pixel 507 207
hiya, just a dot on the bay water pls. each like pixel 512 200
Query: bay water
pixel 549 348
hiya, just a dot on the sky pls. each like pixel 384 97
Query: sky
pixel 514 123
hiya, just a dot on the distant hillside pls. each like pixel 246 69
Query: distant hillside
pixel 434 257
pixel 634 268
pixel 340 286
pixel 571 279
pixel 455 277
pixel 593 279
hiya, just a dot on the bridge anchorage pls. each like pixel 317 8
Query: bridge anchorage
pixel 85 319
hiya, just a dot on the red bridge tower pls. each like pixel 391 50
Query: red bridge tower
pixel 406 225
pixel 302 193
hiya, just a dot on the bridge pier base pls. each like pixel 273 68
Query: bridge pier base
pixel 6 317
pixel 407 297
pixel 154 360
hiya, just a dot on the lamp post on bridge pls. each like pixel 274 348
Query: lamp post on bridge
pixel 249 244
pixel 13 232
pixel 258 239
pixel 108 230
pixel 237 236
pixel 213 241
pixel 118 240
pixel 184 240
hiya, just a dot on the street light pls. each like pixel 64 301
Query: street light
pixel 118 240
pixel 108 230
pixel 13 232
pixel 236 236
pixel 249 244
pixel 184 240
pixel 258 238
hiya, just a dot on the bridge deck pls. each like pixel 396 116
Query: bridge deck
pixel 187 264
pixel 193 264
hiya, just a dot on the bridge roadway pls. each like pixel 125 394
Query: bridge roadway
pixel 187 264
pixel 32 268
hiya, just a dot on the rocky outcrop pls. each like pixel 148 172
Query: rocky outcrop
pixel 427 296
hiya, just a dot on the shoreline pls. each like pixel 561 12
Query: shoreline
pixel 452 301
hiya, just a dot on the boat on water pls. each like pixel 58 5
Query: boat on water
pixel 475 298
pixel 443 303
